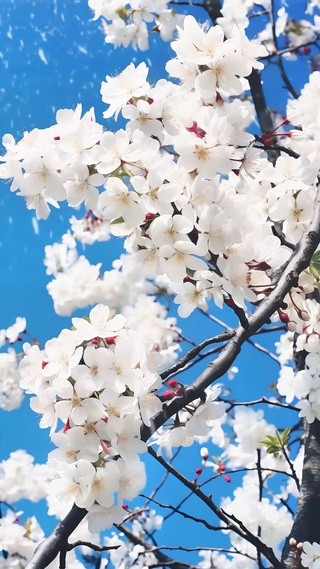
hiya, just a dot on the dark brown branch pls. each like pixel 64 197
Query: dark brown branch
pixel 48 549
pixel 213 8
pixel 191 354
pixel 259 101
pixel 92 546
pixel 197 360
pixel 277 147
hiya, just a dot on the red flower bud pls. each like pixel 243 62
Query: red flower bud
pixel 283 317
pixel 173 383
pixel 67 426
pixel 167 395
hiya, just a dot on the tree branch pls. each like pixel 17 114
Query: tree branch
pixel 185 515
pixel 299 261
pixel 306 526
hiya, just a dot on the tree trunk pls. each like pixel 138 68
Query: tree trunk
pixel 306 526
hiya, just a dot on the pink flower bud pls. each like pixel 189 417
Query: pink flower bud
pixel 304 315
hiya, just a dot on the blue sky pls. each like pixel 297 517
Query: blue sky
pixel 53 56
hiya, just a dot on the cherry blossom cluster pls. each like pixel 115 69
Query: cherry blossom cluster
pixel 302 385
pixel 275 522
pixel 310 556
pixel 21 479
pixel 209 236
pixel 100 382
pixel 130 23
pixel 13 333
pixel 296 33
pixel 11 395
pixel 129 553
pixel 19 538
pixel 78 284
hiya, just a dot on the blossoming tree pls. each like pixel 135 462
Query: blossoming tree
pixel 216 198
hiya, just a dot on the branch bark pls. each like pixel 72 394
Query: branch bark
pixel 306 526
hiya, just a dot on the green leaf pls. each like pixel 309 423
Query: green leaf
pixel 275 443
pixel 116 221
pixel 285 436
pixel 315 265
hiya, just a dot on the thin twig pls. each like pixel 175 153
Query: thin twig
pixel 162 482
pixel 92 546
pixel 283 73
pixel 293 472
pixel 195 351
pixel 264 400
pixel 185 515
pixel 259 559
